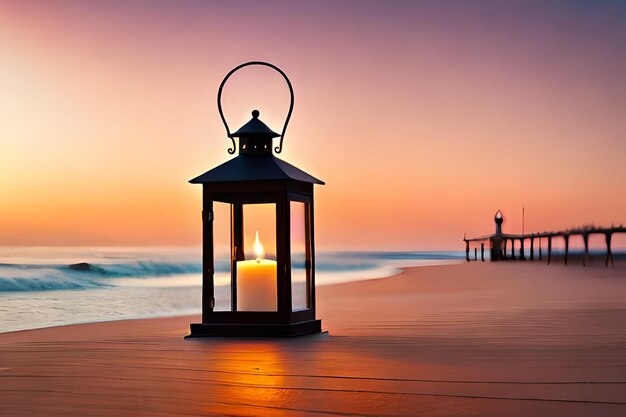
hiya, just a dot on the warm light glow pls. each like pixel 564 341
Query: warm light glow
pixel 259 250
pixel 256 281
pixel 258 386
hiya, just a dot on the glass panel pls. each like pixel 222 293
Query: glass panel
pixel 221 253
pixel 256 264
pixel 298 256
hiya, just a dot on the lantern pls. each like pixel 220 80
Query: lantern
pixel 267 209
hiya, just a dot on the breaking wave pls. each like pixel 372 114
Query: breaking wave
pixel 84 275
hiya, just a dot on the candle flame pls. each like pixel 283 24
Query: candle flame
pixel 259 250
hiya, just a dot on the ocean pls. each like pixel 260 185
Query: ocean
pixel 52 286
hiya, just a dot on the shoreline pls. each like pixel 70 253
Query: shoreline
pixel 398 271
pixel 475 339
pixel 105 298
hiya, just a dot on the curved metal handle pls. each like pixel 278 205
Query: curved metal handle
pixel 277 149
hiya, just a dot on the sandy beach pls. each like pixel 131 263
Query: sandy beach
pixel 478 339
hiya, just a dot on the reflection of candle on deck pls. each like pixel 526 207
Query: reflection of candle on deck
pixel 256 282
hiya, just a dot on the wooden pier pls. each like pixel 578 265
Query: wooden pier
pixel 499 241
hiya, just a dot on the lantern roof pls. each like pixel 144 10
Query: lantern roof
pixel 247 167
pixel 255 127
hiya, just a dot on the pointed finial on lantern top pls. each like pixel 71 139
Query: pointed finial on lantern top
pixel 255 128
pixel 255 137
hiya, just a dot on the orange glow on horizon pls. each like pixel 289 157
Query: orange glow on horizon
pixel 423 119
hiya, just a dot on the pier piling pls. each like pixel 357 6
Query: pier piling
pixel 549 249
pixel 609 254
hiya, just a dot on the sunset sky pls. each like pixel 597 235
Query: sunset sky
pixel 423 118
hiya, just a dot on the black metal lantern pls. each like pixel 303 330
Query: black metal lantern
pixel 268 206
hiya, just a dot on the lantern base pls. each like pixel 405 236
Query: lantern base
pixel 255 330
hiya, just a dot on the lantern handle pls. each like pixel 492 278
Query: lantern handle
pixel 277 149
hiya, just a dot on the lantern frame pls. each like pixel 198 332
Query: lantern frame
pixel 256 176
pixel 285 321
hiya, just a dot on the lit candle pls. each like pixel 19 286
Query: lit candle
pixel 256 282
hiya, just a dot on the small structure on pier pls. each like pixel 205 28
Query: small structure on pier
pixel 498 242
pixel 495 240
